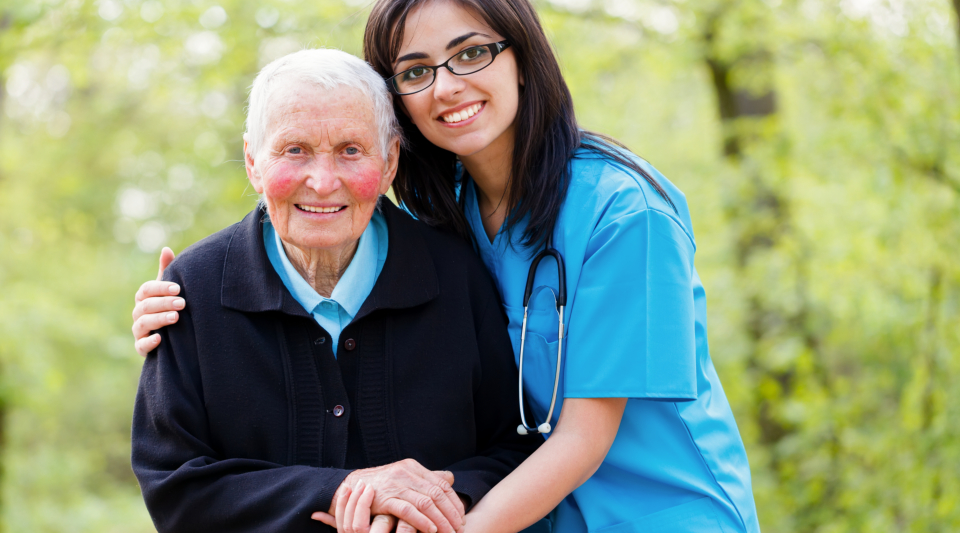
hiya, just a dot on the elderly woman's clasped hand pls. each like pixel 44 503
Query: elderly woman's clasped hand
pixel 404 495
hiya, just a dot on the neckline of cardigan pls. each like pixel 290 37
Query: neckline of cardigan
pixel 250 284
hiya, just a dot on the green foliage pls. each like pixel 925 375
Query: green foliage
pixel 827 225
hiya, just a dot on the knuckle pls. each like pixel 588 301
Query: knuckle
pixel 423 503
pixel 436 493
pixel 404 509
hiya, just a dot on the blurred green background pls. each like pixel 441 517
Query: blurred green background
pixel 818 144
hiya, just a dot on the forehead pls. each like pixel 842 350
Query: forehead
pixel 432 25
pixel 304 106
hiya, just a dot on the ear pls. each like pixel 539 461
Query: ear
pixel 390 166
pixel 252 173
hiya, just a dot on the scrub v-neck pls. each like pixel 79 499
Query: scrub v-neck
pixel 491 252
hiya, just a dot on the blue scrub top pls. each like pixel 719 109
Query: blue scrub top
pixel 635 327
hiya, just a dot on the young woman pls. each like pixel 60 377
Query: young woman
pixel 645 439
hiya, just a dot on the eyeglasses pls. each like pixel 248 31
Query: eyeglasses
pixel 468 61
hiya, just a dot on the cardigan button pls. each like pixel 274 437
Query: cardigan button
pixel 320 341
pixel 350 344
pixel 338 411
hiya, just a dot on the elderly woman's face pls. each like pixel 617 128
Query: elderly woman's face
pixel 320 169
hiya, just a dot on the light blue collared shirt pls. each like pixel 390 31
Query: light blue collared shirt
pixel 336 312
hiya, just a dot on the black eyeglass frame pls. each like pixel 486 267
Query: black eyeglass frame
pixel 494 48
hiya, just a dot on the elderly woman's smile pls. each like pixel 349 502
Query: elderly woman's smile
pixel 320 171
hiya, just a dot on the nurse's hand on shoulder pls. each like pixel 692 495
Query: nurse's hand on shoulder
pixel 155 306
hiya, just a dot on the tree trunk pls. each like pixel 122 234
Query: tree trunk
pixel 956 12
pixel 759 209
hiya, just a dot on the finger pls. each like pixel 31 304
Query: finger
pixel 351 508
pixel 326 518
pixel 383 523
pixel 361 515
pixel 147 344
pixel 342 507
pixel 426 503
pixel 405 510
pixel 404 527
pixel 443 499
pixel 448 504
pixel 452 506
pixel 152 289
pixel 159 304
pixel 152 322
pixel 166 257
pixel 446 475
pixel 155 305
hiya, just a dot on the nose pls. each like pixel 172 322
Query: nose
pixel 447 85
pixel 323 175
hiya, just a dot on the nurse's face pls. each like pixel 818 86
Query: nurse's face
pixel 467 115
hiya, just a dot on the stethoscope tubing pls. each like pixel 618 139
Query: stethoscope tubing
pixel 545 427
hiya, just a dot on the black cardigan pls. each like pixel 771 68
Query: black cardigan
pixel 245 421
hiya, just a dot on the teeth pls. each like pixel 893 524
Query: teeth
pixel 319 209
pixel 462 115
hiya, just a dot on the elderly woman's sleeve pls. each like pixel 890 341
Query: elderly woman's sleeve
pixel 184 483
pixel 500 449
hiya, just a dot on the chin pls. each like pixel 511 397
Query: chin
pixel 465 147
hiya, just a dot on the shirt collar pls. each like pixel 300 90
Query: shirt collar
pixel 354 285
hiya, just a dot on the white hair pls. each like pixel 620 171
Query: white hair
pixel 326 69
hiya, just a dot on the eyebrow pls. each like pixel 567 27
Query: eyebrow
pixel 453 42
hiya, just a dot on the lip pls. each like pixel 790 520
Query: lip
pixel 483 106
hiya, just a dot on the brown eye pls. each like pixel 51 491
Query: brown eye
pixel 414 74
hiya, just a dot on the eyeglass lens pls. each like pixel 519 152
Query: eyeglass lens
pixel 466 62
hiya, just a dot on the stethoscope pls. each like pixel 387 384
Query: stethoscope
pixel 545 427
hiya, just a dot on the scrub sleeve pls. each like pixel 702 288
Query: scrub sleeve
pixel 631 333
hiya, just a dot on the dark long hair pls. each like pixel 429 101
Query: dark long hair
pixel 546 134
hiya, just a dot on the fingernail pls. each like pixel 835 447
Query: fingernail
pixel 179 303
pixel 171 317
pixel 174 289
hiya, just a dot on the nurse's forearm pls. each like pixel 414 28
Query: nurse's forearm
pixel 580 442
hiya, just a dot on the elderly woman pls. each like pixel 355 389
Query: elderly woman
pixel 332 342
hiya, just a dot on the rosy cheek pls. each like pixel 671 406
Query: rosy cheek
pixel 365 184
pixel 281 183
